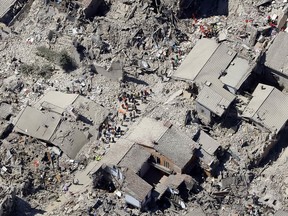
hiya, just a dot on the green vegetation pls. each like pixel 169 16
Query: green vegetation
pixel 63 59
pixel 47 53
pixel 66 62
pixel 46 71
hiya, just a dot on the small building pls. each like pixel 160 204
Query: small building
pixel 172 150
pixel 137 160
pixel 276 59
pixel 267 108
pixel 59 119
pixel 208 152
pixel 237 74
pixel 137 191
pixel 178 184
pixel 213 100
pixel 209 60
pixel 175 152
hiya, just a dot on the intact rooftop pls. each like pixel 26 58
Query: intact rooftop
pixel 177 146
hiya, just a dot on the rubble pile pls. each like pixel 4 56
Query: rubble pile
pixel 116 61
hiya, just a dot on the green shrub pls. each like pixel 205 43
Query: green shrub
pixel 47 53
pixel 66 62
pixel 46 71
pixel 27 69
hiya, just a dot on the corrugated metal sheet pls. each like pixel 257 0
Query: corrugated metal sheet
pixel 196 59
pixel 5 6
pixel 218 62
pixel 276 56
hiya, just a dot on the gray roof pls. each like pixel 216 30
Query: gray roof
pixel 5 6
pixel 115 154
pixel 56 101
pixel 218 62
pixel 268 107
pixel 91 110
pixel 172 181
pixel 206 61
pixel 276 55
pixel 236 73
pixel 207 143
pixel 196 59
pixel 281 213
pixel 69 139
pixel 215 98
pixel 35 123
pixel 135 158
pixel 176 146
pixel 68 135
pixel 147 132
pixel 136 186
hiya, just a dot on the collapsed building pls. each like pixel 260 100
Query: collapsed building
pixel 9 9
pixel 263 111
pixel 275 60
pixel 143 156
pixel 209 152
pixel 7 195
pixel 151 151
pixel 218 72
pixel 67 121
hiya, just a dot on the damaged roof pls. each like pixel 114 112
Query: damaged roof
pixel 115 154
pixel 135 158
pixel 176 146
pixel 148 131
pixel 276 55
pixel 69 139
pixel 48 124
pixel 207 143
pixel 56 101
pixel 136 186
pixel 5 6
pixel 36 123
pixel 215 98
pixel 268 108
pixel 216 64
pixel 59 102
pixel 237 73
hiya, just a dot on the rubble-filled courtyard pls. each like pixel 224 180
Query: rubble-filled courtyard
pixel 143 107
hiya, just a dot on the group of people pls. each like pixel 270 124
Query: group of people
pixel 128 111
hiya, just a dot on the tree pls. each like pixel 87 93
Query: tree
pixel 66 62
